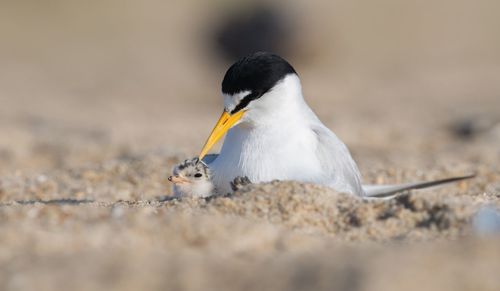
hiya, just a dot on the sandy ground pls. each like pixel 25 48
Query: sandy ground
pixel 99 102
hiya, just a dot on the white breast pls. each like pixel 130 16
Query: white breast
pixel 267 154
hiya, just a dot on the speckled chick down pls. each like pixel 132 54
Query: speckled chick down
pixel 192 178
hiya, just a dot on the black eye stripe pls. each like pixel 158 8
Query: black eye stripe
pixel 246 100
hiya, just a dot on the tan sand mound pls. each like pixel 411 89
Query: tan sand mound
pixel 89 229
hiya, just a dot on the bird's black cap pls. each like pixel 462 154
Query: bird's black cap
pixel 258 73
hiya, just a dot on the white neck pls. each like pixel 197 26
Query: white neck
pixel 284 102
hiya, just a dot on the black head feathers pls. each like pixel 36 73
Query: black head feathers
pixel 257 73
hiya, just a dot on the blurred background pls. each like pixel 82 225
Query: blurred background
pixel 99 99
pixel 85 80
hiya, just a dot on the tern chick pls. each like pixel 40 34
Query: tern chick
pixel 192 178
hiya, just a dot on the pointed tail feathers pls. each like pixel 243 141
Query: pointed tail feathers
pixel 388 191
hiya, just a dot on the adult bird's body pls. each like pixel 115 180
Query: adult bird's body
pixel 278 137
pixel 272 134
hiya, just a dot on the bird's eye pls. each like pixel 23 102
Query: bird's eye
pixel 198 175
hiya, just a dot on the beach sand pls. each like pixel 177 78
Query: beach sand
pixel 93 120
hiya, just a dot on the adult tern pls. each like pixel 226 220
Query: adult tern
pixel 272 134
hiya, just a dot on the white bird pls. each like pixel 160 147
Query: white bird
pixel 272 134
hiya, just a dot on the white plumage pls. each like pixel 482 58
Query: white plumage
pixel 280 138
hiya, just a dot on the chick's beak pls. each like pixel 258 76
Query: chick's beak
pixel 176 179
pixel 225 122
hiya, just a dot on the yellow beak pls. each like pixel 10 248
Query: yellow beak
pixel 225 122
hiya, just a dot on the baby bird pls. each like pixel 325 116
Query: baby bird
pixel 192 178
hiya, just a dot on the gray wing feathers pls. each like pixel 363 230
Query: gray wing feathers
pixel 339 167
